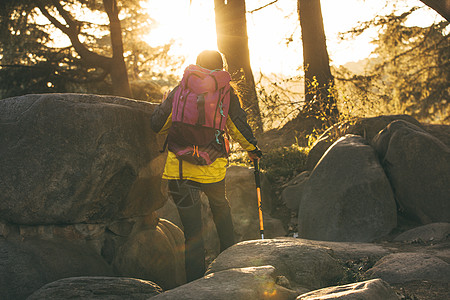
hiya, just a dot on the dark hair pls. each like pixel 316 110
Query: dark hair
pixel 211 60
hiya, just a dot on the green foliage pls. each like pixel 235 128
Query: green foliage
pixel 280 99
pixel 322 103
pixel 278 164
pixel 284 163
pixel 409 76
pixel 31 62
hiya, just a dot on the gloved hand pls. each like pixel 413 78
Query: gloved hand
pixel 255 154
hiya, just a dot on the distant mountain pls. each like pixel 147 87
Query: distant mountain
pixel 361 66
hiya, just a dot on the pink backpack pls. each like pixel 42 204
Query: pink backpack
pixel 199 114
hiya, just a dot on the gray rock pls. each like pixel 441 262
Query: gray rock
pixel 155 254
pixel 418 167
pixel 292 193
pixel 347 197
pixel 440 131
pixel 370 127
pixel 121 227
pixel 26 265
pixel 241 192
pixel 431 233
pixel 345 251
pixel 318 150
pixel 240 182
pixel 72 158
pixel 304 264
pixel 374 289
pixel 114 288
pixel 237 283
pixel 409 266
pixel 365 127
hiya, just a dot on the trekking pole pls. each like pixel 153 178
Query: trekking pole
pixel 258 194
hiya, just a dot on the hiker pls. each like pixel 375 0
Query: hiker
pixel 195 115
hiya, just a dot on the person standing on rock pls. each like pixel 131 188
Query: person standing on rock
pixel 198 115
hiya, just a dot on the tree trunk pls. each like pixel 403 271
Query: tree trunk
pixel 119 75
pixel 318 79
pixel 115 66
pixel 442 7
pixel 232 41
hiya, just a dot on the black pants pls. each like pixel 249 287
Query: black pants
pixel 186 195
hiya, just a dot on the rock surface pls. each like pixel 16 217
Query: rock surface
pixel 368 128
pixel 430 233
pixel 153 254
pixel 106 288
pixel 409 266
pixel 364 127
pixel 27 265
pixel 375 289
pixel 80 181
pixel 304 264
pixel 236 283
pixel 71 158
pixel 418 167
pixel 292 191
pixel 347 197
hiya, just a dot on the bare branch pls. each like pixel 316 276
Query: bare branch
pixel 90 57
pixel 71 22
pixel 259 8
pixel 21 66
pixel 52 19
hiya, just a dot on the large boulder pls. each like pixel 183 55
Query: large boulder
pixel 28 264
pixel 351 251
pixel 305 265
pixel 238 283
pixel 318 149
pixel 347 197
pixel 440 131
pixel 409 266
pixel 430 233
pixel 294 188
pixel 241 192
pixel 155 254
pixel 72 158
pixel 145 248
pixel 241 189
pixel 418 167
pixel 374 289
pixel 106 288
pixel 369 127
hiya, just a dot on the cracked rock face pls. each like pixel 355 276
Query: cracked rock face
pixel 418 167
pixel 347 197
pixel 70 158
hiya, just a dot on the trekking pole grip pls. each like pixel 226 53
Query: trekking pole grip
pixel 257 177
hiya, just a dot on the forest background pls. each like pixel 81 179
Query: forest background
pixel 391 58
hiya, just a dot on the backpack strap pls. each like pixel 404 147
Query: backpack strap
pixel 215 81
pixel 201 109
pixel 180 168
pixel 165 145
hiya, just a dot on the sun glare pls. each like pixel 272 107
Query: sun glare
pixel 274 32
pixel 190 26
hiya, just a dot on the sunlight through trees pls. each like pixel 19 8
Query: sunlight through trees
pixel 105 47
